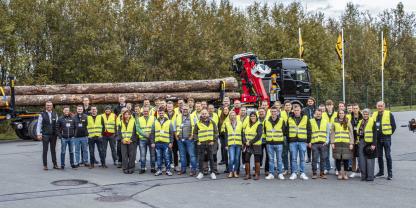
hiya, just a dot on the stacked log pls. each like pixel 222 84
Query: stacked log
pixel 108 93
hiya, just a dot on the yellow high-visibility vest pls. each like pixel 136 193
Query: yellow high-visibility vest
pixel 94 127
pixel 298 131
pixel 146 125
pixel 319 134
pixel 386 128
pixel 205 133
pixel 127 131
pixel 162 131
pixel 109 122
pixel 341 135
pixel 274 133
pixel 234 134
pixel 368 130
pixel 250 133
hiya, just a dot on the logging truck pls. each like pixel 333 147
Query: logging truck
pixel 270 80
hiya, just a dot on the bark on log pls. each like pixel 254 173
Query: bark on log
pixel 212 85
pixel 70 99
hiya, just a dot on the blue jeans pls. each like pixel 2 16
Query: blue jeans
pixel 81 143
pixel 70 143
pixel 162 152
pixel 275 150
pixel 144 146
pixel 295 149
pixel 328 160
pixel 187 147
pixel 234 152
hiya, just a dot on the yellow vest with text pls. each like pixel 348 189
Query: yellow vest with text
pixel 94 127
pixel 386 128
pixel 319 134
pixel 298 131
pixel 234 135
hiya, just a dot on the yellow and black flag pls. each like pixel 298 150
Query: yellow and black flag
pixel 301 48
pixel 384 50
pixel 338 47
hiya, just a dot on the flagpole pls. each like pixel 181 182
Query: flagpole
pixel 300 52
pixel 382 66
pixel 343 67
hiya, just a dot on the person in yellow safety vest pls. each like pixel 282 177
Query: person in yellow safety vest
pixel 191 104
pixel 174 152
pixel 216 119
pixel 144 126
pixel 161 138
pixel 137 111
pixel 367 135
pixel 355 117
pixel 222 120
pixel 285 113
pixel 205 133
pixel 262 118
pixel 109 133
pixel 186 142
pixel 319 140
pixel 275 130
pixel 342 142
pixel 196 114
pixel 95 128
pixel 386 126
pixel 118 139
pixel 128 137
pixel 309 111
pixel 225 103
pixel 252 145
pixel 330 116
pixel 178 109
pixel 233 138
pixel 298 137
pixel 243 117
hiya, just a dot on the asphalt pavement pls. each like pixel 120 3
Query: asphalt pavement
pixel 24 183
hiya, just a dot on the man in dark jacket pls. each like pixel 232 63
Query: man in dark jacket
pixel 65 128
pixel 81 137
pixel 46 132
pixel 309 111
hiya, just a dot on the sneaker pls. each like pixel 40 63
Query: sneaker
pixel 169 173
pixel 390 177
pixel 270 177
pixel 285 172
pixel 213 176
pixel 352 175
pixel 303 176
pixel 314 176
pixel 200 176
pixel 293 176
pixel 336 173
pixel 142 171
pixel 153 170
pixel 281 177
pixel 158 173
pixel 379 175
pixel 326 172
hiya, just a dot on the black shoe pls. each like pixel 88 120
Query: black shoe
pixel 73 166
pixel 104 166
pixel 77 166
pixel 226 171
pixel 62 167
pixel 221 163
pixel 308 160
pixel 389 177
pixel 125 172
pixel 349 168
pixel 142 171
pixel 55 166
pixel 152 170
pixel 115 163
pixel 118 165
pixel 379 174
pixel 370 179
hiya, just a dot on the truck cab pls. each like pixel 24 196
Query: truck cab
pixel 289 80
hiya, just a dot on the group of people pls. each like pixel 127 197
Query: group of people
pixel 282 138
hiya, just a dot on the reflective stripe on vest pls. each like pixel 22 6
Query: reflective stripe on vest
pixel 274 133
pixel 146 125
pixel 205 133
pixel 341 135
pixel 385 122
pixel 318 133
pixel 234 135
pixel 250 133
pixel 298 131
pixel 127 131
pixel 368 130
pixel 162 131
pixel 94 127
pixel 110 122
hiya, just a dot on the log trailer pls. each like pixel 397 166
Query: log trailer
pixel 23 122
pixel 272 80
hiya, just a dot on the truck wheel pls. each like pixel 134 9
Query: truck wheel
pixel 31 129
pixel 22 134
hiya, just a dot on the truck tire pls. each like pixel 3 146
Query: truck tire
pixel 32 128
pixel 22 134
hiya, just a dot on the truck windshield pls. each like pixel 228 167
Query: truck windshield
pixel 302 75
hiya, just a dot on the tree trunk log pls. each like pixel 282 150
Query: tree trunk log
pixel 212 85
pixel 71 99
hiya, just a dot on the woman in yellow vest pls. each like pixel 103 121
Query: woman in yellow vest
pixel 367 135
pixel 118 139
pixel 223 118
pixel 127 135
pixel 233 137
pixel 342 142
pixel 252 145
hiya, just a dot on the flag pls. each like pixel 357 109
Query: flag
pixel 384 50
pixel 301 48
pixel 338 47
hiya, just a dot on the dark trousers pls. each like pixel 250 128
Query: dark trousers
pixel 338 164
pixel 366 164
pixel 285 156
pixel 119 156
pixel 128 152
pixel 224 152
pixel 206 151
pixel 91 143
pixel 319 151
pixel 386 146
pixel 175 153
pixel 309 153
pixel 49 140
pixel 266 163
pixel 112 141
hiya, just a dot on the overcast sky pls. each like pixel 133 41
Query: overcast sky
pixel 334 8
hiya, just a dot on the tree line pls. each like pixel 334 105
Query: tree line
pixel 77 41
